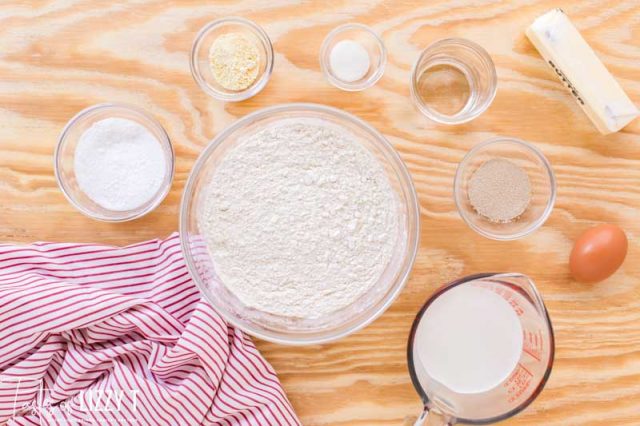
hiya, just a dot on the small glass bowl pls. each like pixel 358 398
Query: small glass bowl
pixel 367 39
pixel 457 56
pixel 541 178
pixel 201 70
pixel 65 153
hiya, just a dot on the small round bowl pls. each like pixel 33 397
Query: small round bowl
pixel 201 70
pixel 366 38
pixel 282 329
pixel 460 57
pixel 541 178
pixel 65 154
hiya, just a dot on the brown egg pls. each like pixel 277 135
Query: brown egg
pixel 598 253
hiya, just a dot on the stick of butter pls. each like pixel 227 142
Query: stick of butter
pixel 595 89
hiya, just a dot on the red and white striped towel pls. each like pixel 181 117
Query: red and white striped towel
pixel 102 335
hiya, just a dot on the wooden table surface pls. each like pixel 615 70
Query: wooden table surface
pixel 58 57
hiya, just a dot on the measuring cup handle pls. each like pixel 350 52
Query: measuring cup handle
pixel 430 417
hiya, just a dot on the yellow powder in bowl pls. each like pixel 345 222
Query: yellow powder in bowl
pixel 234 61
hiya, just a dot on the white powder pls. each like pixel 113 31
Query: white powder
pixel 300 219
pixel 349 61
pixel 119 164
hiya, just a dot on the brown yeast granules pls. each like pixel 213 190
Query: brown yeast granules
pixel 499 190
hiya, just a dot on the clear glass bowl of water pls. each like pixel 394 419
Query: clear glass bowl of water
pixel 453 81
pixel 289 330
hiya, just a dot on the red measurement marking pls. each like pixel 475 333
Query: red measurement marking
pixel 533 355
pixel 525 369
pixel 518 383
pixel 507 295
pixel 533 344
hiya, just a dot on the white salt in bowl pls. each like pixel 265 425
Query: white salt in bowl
pixel 372 44
pixel 199 62
pixel 288 330
pixel 64 160
pixel 541 179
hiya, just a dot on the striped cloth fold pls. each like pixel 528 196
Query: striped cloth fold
pixel 103 335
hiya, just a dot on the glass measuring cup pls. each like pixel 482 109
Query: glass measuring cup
pixel 446 406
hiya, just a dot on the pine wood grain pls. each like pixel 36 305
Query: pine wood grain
pixel 57 57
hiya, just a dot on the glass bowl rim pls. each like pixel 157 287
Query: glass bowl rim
pixel 257 86
pixel 412 207
pixel 109 106
pixel 346 86
pixel 545 164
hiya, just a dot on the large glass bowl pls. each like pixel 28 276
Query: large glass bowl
pixel 289 330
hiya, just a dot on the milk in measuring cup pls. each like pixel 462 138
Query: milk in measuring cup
pixel 469 339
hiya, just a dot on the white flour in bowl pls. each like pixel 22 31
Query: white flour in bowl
pixel 300 219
